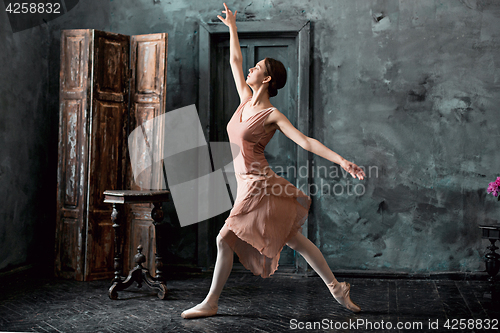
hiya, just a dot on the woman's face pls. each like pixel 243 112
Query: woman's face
pixel 256 75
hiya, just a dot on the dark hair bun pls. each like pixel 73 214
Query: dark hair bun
pixel 277 71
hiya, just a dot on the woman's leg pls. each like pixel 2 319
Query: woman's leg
pixel 223 266
pixel 313 256
pixel 339 290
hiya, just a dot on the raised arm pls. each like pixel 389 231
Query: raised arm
pixel 235 57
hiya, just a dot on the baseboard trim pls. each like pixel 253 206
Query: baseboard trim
pixel 449 275
pixel 15 271
pixel 290 271
pixel 372 274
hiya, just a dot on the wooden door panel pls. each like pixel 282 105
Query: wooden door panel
pixel 148 95
pixel 70 254
pixel 108 146
pixel 71 128
pixel 106 168
pixel 74 67
pixel 100 251
pixel 148 88
pixel 148 68
pixel 112 56
pixel 149 55
pixel 75 82
pixel 108 139
pixel 142 112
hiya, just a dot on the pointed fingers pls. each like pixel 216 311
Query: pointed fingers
pixel 228 11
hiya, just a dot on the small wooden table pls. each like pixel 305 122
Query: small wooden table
pixel 491 232
pixel 138 273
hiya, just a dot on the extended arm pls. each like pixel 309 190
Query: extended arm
pixel 310 144
pixel 235 57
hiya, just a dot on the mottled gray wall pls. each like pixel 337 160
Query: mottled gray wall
pixel 416 95
pixel 408 88
pixel 27 140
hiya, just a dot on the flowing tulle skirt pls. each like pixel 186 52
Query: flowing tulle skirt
pixel 267 213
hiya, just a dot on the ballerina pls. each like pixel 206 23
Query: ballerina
pixel 268 211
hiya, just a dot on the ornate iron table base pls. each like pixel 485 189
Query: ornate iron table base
pixel 492 233
pixel 138 274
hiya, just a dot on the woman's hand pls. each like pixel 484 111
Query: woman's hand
pixel 230 19
pixel 353 169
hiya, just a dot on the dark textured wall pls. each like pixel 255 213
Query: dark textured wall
pixel 408 89
pixel 27 141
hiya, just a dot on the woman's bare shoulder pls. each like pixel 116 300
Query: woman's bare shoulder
pixel 276 116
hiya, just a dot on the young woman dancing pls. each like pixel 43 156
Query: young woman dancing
pixel 268 211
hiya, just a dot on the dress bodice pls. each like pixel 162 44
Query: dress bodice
pixel 251 138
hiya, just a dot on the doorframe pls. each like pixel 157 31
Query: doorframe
pixel 300 30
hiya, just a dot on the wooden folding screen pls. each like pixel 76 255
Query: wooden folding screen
pixel 99 72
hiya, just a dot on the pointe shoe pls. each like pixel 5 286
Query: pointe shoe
pixel 340 290
pixel 206 310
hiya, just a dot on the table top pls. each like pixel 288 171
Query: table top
pixel 134 196
pixel 491 232
pixel 490 226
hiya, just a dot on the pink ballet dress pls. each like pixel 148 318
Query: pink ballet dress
pixel 268 210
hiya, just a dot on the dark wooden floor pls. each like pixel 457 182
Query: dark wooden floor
pixel 282 303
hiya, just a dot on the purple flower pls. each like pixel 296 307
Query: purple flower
pixel 497 182
pixel 493 188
